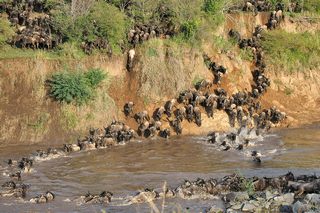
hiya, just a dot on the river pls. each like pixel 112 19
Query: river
pixel 127 169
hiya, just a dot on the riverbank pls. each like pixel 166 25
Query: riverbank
pixel 30 116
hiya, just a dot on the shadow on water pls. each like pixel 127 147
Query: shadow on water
pixel 127 169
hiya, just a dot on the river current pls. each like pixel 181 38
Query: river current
pixel 127 169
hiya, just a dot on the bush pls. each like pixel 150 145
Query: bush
pixel 94 76
pixel 189 29
pixel 110 22
pixel 75 87
pixel 212 6
pixel 102 21
pixel 62 21
pixel 6 31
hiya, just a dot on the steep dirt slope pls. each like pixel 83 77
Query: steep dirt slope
pixel 28 115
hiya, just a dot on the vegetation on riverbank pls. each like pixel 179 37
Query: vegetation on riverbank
pixel 292 52
pixel 77 21
pixel 112 20
pixel 166 67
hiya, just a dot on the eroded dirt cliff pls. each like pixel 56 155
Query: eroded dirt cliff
pixel 28 115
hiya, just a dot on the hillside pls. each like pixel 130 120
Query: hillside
pixel 163 66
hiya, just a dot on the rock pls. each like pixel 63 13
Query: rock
pixel 237 207
pixel 286 199
pixel 267 205
pixel 233 211
pixel 248 207
pixel 286 209
pixel 299 207
pixel 313 199
pixel 269 195
pixel 216 209
pixel 237 196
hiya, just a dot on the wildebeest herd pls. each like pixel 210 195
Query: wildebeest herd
pixel 201 188
pixel 33 24
pixel 35 27
pixel 243 109
pixel 143 32
pixel 230 189
pixel 266 6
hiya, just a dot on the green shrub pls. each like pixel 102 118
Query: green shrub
pixel 75 87
pixel 197 79
pixel 62 21
pixel 151 52
pixel 6 31
pixel 95 77
pixel 103 20
pixel 212 6
pixel 110 22
pixel 189 29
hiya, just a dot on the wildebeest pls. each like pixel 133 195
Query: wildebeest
pixel 128 108
pixel 169 106
pixel 142 117
pixel 131 55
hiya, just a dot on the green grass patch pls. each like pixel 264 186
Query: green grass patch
pixel 288 91
pixel 68 118
pixel 76 86
pixel 246 54
pixel 64 52
pixel 197 79
pixel 151 52
pixel 292 52
pixel 246 184
pixel 40 123
pixel 222 44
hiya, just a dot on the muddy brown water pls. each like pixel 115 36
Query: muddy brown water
pixel 127 169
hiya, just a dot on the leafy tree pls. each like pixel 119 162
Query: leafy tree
pixel 111 24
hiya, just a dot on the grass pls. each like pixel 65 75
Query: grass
pixel 151 52
pixel 197 79
pixel 292 52
pixel 288 91
pixel 247 185
pixel 165 74
pixel 246 54
pixel 222 44
pixel 68 117
pixel 40 123
pixel 64 52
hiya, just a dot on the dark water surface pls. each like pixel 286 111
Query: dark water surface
pixel 124 170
